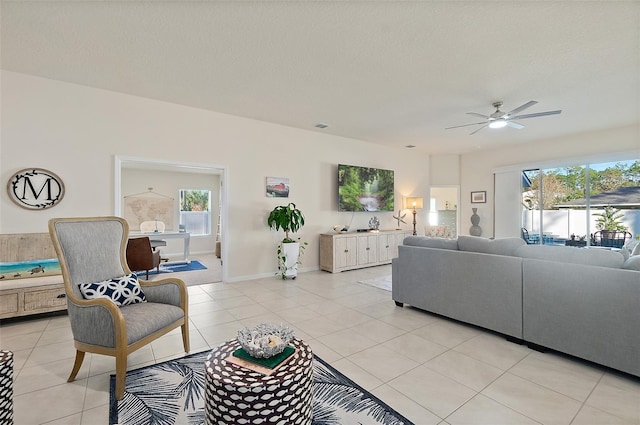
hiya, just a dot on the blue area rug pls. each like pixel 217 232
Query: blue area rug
pixel 173 268
pixel 172 393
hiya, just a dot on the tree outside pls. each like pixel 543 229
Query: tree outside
pixel 561 185
pixel 194 200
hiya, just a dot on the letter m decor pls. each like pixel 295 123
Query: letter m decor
pixel 35 189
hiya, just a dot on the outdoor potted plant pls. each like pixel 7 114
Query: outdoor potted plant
pixel 290 219
pixel 610 221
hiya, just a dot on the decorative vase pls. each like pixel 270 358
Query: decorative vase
pixel 475 230
pixel 291 253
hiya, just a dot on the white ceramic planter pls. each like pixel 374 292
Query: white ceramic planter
pixel 291 251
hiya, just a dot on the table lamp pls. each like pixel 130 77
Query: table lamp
pixel 414 203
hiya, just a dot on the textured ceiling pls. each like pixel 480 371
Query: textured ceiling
pixel 388 72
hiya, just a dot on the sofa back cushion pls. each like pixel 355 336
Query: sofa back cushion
pixel 504 246
pixel 567 254
pixel 427 242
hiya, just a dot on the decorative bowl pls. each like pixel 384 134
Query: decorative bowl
pixel 265 340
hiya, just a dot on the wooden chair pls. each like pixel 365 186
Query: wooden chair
pixel 140 255
pixel 91 250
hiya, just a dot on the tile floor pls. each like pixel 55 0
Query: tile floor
pixel 432 370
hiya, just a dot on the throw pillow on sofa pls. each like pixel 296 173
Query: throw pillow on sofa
pixel 633 263
pixel 438 231
pixel 629 247
pixel 504 246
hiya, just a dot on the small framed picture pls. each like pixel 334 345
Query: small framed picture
pixel 277 187
pixel 479 197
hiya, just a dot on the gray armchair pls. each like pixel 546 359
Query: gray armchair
pixel 93 250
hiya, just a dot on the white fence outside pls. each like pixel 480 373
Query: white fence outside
pixel 563 223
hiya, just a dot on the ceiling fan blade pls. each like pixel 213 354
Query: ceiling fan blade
pixel 522 108
pixel 537 114
pixel 479 115
pixel 475 131
pixel 515 125
pixel 465 125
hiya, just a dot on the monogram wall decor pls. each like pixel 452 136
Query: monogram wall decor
pixel 35 189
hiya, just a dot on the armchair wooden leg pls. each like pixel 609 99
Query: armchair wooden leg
pixel 121 373
pixel 76 365
pixel 185 336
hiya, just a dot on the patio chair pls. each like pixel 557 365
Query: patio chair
pixel 527 238
pixel 91 252
pixel 611 238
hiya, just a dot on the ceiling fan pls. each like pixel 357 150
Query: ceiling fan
pixel 501 119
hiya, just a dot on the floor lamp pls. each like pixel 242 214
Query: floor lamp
pixel 415 204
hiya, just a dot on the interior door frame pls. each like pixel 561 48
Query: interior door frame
pixel 183 167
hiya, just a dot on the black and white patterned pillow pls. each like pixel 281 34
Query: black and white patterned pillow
pixel 123 290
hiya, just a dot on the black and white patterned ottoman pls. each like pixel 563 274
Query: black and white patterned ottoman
pixel 236 395
pixel 6 387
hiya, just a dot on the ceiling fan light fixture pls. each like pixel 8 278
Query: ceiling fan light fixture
pixel 499 123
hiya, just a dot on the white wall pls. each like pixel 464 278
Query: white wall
pixel 77 131
pixel 446 197
pixel 477 168
pixel 444 170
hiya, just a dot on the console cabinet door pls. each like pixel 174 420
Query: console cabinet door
pixel 387 243
pixel 399 239
pixel 367 249
pixel 345 252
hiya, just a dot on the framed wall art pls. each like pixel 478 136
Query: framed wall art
pixel 479 197
pixel 277 187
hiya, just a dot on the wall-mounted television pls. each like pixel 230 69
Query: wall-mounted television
pixel 364 188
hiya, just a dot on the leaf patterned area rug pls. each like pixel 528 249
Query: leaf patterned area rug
pixel 172 393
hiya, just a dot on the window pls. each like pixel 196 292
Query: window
pixel 565 205
pixel 195 211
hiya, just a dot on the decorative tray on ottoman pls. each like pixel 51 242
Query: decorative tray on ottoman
pixel 263 348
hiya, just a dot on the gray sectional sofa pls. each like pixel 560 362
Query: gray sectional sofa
pixel 582 302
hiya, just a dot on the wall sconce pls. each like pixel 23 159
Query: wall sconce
pixel 414 204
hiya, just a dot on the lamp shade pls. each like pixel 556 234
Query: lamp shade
pixel 414 203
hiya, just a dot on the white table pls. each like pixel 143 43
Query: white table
pixel 185 236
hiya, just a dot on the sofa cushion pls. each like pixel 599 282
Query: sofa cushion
pixel 568 254
pixel 633 263
pixel 504 246
pixel 427 242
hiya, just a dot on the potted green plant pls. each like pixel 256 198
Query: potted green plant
pixel 289 219
pixel 610 220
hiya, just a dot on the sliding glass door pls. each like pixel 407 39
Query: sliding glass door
pixel 574 205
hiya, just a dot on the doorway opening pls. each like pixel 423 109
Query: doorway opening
pixel 146 177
